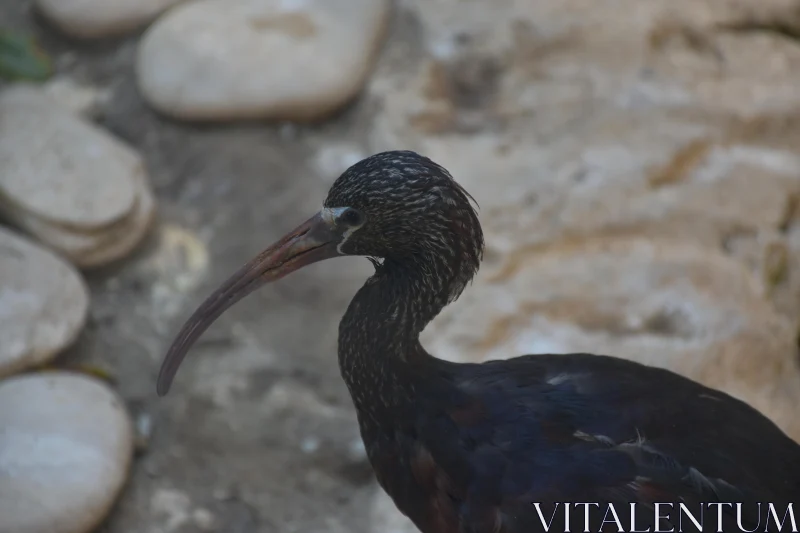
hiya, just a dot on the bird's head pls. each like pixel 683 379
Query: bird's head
pixel 398 205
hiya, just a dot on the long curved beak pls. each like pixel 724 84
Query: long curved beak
pixel 314 240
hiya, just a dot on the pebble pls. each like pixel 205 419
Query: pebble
pixel 68 183
pixel 65 452
pixel 90 250
pixel 43 303
pixel 678 306
pixel 217 60
pixel 101 18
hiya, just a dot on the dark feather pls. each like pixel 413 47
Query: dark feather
pixel 484 448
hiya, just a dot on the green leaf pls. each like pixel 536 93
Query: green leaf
pixel 22 59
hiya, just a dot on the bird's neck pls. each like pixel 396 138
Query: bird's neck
pixel 380 355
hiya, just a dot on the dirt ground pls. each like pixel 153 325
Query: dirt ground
pixel 274 446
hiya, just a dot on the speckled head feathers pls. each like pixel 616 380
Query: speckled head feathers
pixel 414 211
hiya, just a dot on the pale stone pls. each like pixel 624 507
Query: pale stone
pixel 92 249
pixel 662 303
pixel 43 304
pixel 61 168
pixel 276 59
pixel 82 192
pixel 65 451
pixel 121 241
pixel 101 18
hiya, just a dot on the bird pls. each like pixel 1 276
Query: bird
pixel 537 442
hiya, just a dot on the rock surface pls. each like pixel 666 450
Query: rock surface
pixel 43 304
pixel 101 18
pixel 555 135
pixel 65 450
pixel 68 183
pixel 270 59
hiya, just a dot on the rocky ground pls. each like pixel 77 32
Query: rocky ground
pixel 636 165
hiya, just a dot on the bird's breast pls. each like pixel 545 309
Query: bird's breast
pixel 408 473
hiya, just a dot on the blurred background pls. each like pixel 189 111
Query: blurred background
pixel 637 167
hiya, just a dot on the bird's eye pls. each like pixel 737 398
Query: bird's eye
pixel 351 217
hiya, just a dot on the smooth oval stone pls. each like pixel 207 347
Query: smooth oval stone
pixel 43 303
pixel 122 241
pixel 65 451
pixel 292 60
pixel 61 168
pixel 678 306
pixel 101 18
pixel 87 250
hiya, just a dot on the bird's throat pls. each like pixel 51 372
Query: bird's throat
pixel 379 350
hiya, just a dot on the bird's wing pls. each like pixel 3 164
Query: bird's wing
pixel 588 429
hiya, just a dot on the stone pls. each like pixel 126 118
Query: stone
pixel 128 239
pixel 70 184
pixel 214 60
pixel 661 302
pixel 61 168
pixel 98 18
pixel 43 303
pixel 65 452
pixel 95 249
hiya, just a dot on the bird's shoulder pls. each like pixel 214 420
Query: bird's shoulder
pixel 492 439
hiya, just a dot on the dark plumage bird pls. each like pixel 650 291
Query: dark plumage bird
pixel 500 447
